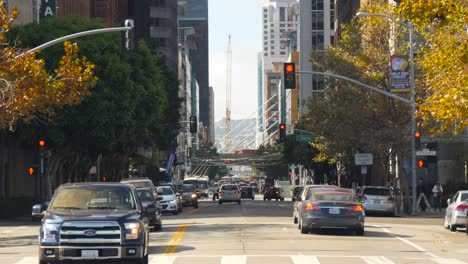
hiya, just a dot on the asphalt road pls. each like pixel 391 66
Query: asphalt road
pixel 258 232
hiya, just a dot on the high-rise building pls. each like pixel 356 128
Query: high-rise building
pixel 277 21
pixel 195 15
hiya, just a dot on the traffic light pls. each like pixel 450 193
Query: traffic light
pixel 33 170
pixel 421 163
pixel 193 124
pixel 282 132
pixel 289 75
pixel 417 139
pixel 128 42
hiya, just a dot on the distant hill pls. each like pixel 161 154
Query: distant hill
pixel 243 130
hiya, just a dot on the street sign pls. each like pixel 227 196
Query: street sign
pixel 426 152
pixel 363 169
pixel 290 130
pixel 305 137
pixel 363 159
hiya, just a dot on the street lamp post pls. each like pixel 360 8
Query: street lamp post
pixel 410 27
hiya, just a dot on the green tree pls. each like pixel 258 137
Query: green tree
pixel 349 119
pixel 134 104
pixel 444 105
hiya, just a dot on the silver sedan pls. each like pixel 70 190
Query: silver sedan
pixel 455 214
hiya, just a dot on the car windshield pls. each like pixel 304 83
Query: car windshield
pixel 93 198
pixel 145 195
pixel 329 195
pixel 187 188
pixel 167 191
pixel 229 188
pixel 377 191
pixel 203 184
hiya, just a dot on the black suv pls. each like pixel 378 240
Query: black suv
pixel 272 193
pixel 93 222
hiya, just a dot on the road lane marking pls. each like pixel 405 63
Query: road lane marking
pixel 234 259
pixel 377 260
pixel 13 230
pixel 406 241
pixel 305 259
pixel 174 242
pixel 27 260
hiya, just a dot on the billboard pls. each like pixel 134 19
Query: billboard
pixel 399 74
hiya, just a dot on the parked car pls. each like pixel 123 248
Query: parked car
pixel 189 195
pixel 169 200
pixel 331 209
pixel 456 212
pixel 298 204
pixel 102 222
pixel 296 192
pixel 148 200
pixel 273 193
pixel 247 192
pixel 229 193
pixel 377 199
pixel 38 210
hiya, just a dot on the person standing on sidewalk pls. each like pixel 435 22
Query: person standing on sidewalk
pixel 437 193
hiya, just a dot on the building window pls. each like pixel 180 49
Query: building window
pixel 272 53
pixel 272 30
pixel 265 43
pixel 272 41
pixel 265 26
pixel 317 20
pixel 282 53
pixel 265 21
pixel 282 14
pixel 265 32
pixel 265 49
pixel 317 5
pixel 332 20
pixel 317 40
pixel 282 30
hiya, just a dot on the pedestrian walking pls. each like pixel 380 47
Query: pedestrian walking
pixel 437 193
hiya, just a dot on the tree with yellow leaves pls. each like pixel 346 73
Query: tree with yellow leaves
pixel 27 90
pixel 444 60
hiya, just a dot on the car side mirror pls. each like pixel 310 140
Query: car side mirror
pixel 37 209
pixel 449 201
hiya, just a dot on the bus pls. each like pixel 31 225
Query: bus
pixel 200 183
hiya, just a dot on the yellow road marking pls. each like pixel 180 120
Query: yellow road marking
pixel 181 234
pixel 174 242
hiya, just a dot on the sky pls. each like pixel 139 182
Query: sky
pixel 242 20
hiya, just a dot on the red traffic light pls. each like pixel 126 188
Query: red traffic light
pixel 421 163
pixel 31 171
pixel 289 68
pixel 417 134
pixel 282 126
pixel 41 143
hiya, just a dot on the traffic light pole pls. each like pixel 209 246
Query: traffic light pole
pixel 410 102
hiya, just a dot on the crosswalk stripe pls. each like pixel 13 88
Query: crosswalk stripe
pixel 234 259
pixel 27 260
pixel 162 259
pixel 447 261
pixel 305 260
pixel 377 260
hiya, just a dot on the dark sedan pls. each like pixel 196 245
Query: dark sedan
pixel 331 209
pixel 273 193
pixel 149 201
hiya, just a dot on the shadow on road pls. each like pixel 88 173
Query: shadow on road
pixel 18 241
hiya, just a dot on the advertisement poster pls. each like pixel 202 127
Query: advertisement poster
pixel 399 74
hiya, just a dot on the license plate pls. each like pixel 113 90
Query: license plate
pixel 89 254
pixel 334 210
pixel 376 201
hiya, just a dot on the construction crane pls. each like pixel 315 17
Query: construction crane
pixel 227 129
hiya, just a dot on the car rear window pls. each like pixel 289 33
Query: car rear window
pixel 377 191
pixel 229 188
pixel 464 196
pixel 333 195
